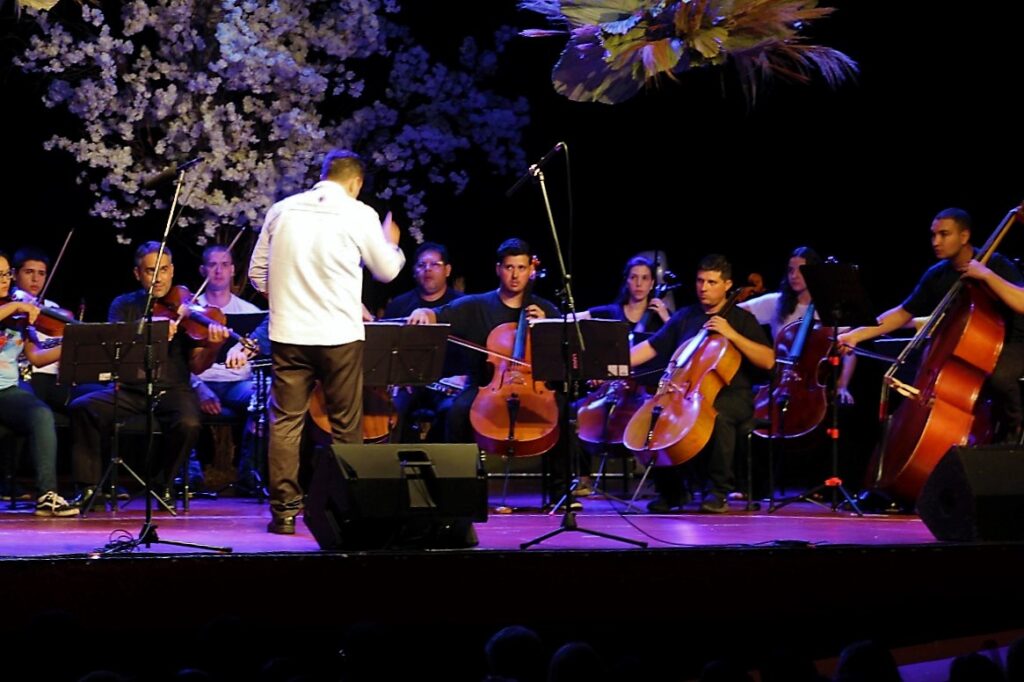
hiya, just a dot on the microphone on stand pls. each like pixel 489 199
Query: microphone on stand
pixel 532 170
pixel 170 172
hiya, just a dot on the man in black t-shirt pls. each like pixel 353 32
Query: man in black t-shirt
pixel 473 317
pixel 734 403
pixel 951 242
pixel 431 270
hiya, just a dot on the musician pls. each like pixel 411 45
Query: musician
pixel 431 271
pixel 734 403
pixel 176 407
pixel 951 242
pixel 308 260
pixel 221 386
pixel 474 316
pixel 646 313
pixel 780 308
pixel 31 267
pixel 20 411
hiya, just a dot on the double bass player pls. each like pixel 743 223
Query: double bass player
pixel 951 242
pixel 734 403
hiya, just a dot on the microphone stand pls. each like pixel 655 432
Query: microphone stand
pixel 148 535
pixel 568 523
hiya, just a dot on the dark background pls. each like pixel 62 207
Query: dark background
pixel 689 168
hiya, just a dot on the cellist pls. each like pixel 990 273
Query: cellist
pixel 734 402
pixel 789 304
pixel 473 317
pixel 951 242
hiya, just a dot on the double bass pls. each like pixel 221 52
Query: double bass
pixel 795 401
pixel 677 422
pixel 962 340
pixel 514 415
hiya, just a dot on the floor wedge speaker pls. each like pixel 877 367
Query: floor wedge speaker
pixel 396 496
pixel 976 493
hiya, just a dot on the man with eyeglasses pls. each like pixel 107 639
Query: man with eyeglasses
pixel 431 270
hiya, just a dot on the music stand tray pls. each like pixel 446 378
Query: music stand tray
pixel 606 355
pixel 403 354
pixel 838 295
pixel 102 352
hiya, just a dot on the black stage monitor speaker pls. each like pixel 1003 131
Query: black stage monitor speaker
pixel 976 494
pixel 397 496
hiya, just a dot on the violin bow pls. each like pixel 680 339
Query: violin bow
pixel 56 264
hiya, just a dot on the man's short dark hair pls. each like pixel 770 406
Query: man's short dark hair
pixel 341 165
pixel 27 253
pixel 959 216
pixel 148 248
pixel 716 262
pixel 217 248
pixel 431 246
pixel 513 247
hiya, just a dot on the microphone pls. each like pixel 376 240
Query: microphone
pixel 532 170
pixel 170 172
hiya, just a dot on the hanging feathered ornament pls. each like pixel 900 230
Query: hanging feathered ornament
pixel 617 46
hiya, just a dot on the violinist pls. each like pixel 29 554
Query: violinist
pixel 734 402
pixel 176 405
pixel 31 267
pixel 308 261
pixel 431 270
pixel 20 411
pixel 220 385
pixel 789 304
pixel 473 317
pixel 951 243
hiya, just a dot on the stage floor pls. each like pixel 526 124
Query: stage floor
pixel 241 525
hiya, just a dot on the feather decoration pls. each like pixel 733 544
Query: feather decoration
pixel 616 47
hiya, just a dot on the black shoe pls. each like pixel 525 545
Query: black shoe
pixel 661 505
pixel 282 525
pixel 715 503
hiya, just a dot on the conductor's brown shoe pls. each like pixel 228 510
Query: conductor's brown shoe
pixel 282 525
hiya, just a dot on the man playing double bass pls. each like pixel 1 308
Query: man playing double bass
pixel 734 403
pixel 951 242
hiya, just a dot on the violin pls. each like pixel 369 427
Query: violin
pixel 195 319
pixel 51 320
pixel 676 423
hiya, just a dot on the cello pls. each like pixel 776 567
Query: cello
pixel 514 415
pixel 962 340
pixel 677 422
pixel 603 413
pixel 795 401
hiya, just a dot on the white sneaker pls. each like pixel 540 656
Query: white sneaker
pixel 52 504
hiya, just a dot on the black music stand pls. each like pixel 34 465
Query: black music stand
pixel 840 301
pixel 410 355
pixel 110 352
pixel 557 356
